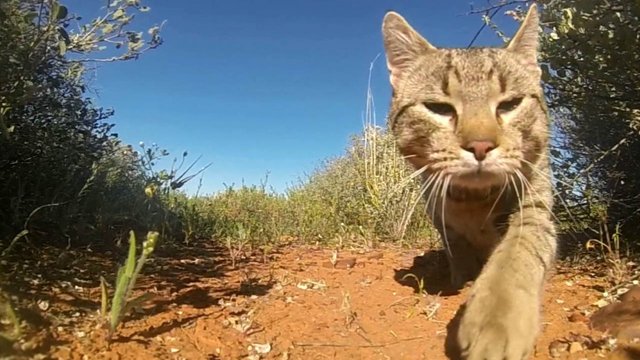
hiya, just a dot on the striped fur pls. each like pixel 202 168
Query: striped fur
pixel 492 208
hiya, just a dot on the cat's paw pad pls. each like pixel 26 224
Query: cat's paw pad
pixel 498 328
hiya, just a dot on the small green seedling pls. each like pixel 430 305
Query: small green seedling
pixel 420 282
pixel 8 314
pixel 125 282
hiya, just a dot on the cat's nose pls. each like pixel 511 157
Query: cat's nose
pixel 479 148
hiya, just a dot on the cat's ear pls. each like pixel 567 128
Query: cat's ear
pixel 526 40
pixel 403 45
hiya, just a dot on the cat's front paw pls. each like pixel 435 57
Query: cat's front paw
pixel 499 326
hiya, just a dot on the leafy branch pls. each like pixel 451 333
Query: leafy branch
pixel 109 32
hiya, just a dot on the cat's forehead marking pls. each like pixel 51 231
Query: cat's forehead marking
pixel 473 64
pixel 466 74
pixel 471 69
pixel 448 68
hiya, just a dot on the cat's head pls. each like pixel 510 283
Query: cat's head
pixel 477 115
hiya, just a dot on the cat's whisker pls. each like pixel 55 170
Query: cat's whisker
pixel 415 174
pixel 532 191
pixel 522 188
pixel 519 198
pixel 526 188
pixel 540 199
pixel 547 178
pixel 402 184
pixel 493 207
pixel 421 191
pixel 432 191
pixel 445 189
pixel 436 189
pixel 544 176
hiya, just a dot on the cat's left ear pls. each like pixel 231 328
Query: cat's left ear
pixel 526 40
pixel 403 46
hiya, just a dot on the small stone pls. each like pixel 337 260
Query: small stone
pixel 261 348
pixel 578 317
pixel 557 347
pixel 28 346
pixel 601 303
pixel 340 264
pixel 575 347
pixel 43 305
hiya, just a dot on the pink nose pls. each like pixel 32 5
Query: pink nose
pixel 480 148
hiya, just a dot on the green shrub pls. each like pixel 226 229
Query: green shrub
pixel 59 161
pixel 259 215
pixel 369 194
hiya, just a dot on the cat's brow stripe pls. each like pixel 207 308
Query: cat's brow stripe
pixel 502 79
pixel 447 74
pixel 491 72
pixel 456 72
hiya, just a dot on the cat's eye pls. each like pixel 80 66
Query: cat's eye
pixel 508 105
pixel 443 109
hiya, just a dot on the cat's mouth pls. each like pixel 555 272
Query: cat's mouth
pixel 467 180
pixel 479 177
pixel 478 182
pixel 463 193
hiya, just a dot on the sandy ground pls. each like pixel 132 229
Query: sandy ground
pixel 293 305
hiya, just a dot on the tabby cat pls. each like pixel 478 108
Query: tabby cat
pixel 474 121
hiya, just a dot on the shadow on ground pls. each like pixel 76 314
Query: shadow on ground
pixel 51 283
pixel 451 347
pixel 432 269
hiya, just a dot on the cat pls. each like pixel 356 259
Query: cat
pixel 475 122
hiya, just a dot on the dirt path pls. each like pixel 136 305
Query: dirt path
pixel 294 306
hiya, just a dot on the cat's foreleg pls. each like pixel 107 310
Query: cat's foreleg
pixel 502 315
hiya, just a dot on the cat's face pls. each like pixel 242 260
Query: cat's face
pixel 476 116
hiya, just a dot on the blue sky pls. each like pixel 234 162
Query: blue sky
pixel 259 87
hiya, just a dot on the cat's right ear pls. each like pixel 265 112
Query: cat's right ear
pixel 403 45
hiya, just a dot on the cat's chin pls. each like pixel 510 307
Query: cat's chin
pixel 478 180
